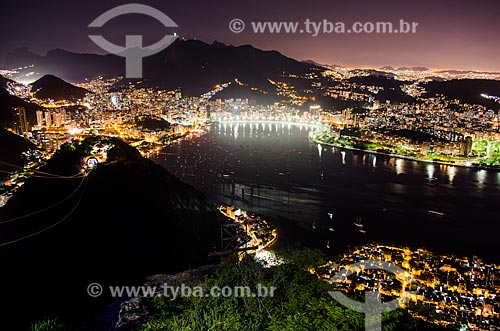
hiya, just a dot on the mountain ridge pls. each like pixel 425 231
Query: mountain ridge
pixel 55 88
pixel 125 220
pixel 193 65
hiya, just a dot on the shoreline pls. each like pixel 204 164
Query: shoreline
pixel 410 158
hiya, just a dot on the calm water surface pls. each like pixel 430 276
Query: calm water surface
pixel 275 170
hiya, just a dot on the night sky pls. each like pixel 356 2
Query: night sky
pixel 451 34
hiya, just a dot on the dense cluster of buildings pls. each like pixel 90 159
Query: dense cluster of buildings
pixel 246 232
pixel 462 291
pixel 436 116
pixel 432 126
pixel 409 74
pixel 108 112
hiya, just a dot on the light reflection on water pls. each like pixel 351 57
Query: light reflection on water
pixel 481 176
pixel 430 171
pixel 452 172
pixel 399 166
pixel 276 170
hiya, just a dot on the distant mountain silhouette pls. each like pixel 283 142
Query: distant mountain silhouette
pixel 391 88
pixel 315 63
pixel 254 97
pixel 129 218
pixel 372 73
pixel 52 87
pixel 413 68
pixel 21 57
pixel 4 81
pixel 196 66
pixel 193 65
pixel 69 66
pixel 330 66
pixel 463 72
pixel 466 90
pixel 391 68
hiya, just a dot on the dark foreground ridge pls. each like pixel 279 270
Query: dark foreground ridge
pixel 12 148
pixel 118 223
